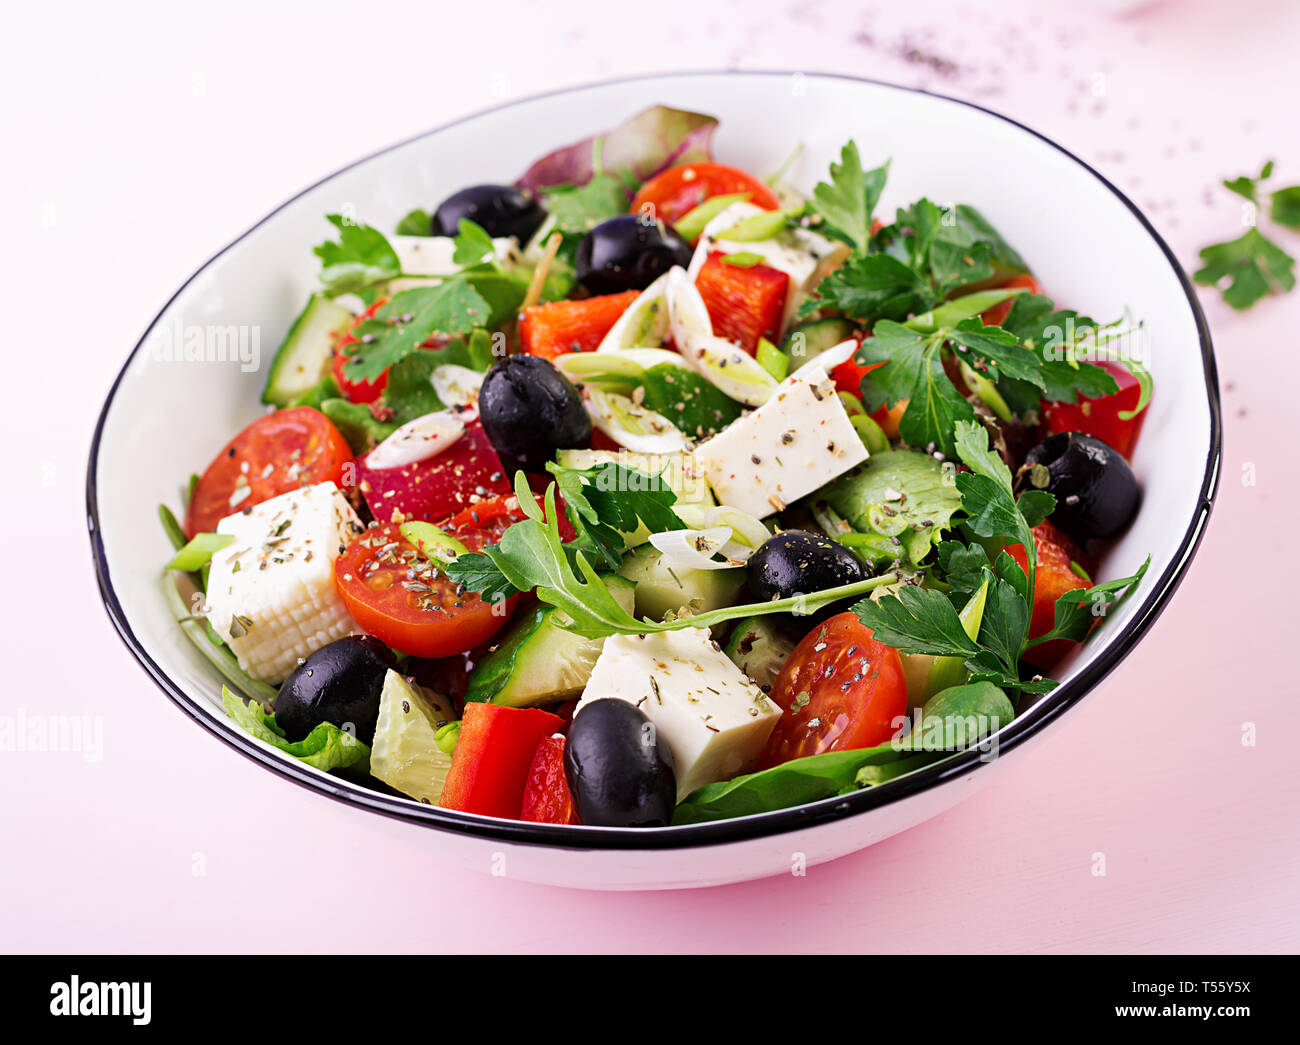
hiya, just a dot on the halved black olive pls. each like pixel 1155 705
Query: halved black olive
pixel 627 253
pixel 618 768
pixel 530 410
pixel 501 210
pixel 1095 489
pixel 339 683
pixel 798 562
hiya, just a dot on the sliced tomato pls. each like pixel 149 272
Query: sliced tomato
pixel 676 192
pixel 745 304
pixel 277 453
pixel 357 391
pixel 493 758
pixel 397 595
pixel 546 794
pixel 840 689
pixel 1100 417
pixel 1054 576
pixel 465 474
pixel 995 316
pixel 557 327
pixel 486 522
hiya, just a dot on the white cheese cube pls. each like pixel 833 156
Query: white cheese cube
pixel 797 441
pixel 271 593
pixel 714 720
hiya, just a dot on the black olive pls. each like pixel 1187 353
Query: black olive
pixel 339 683
pixel 530 410
pixel 1095 489
pixel 627 253
pixel 619 769
pixel 501 210
pixel 796 562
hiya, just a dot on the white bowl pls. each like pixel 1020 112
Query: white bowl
pixel 1086 242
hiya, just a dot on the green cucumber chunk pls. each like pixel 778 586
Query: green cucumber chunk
pixel 810 340
pixel 661 590
pixel 303 361
pixel 759 648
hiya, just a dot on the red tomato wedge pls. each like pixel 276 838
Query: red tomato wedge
pixel 494 757
pixel 840 689
pixel 357 391
pixel 463 475
pixel 1052 579
pixel 1100 417
pixel 557 327
pixel 995 316
pixel 546 795
pixel 398 596
pixel 283 451
pixel 676 192
pixel 745 304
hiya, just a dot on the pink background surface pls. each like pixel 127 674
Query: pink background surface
pixel 156 134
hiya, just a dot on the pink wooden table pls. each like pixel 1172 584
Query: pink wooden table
pixel 160 133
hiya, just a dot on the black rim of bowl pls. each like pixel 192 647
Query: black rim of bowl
pixel 716 832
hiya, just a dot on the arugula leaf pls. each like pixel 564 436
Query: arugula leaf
pixel 410 318
pixel 848 200
pixel 361 257
pixel 1246 269
pixel 416 223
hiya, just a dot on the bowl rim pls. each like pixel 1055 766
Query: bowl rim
pixel 718 832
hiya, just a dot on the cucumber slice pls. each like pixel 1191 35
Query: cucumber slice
pixel 812 339
pixel 759 648
pixel 303 360
pixel 405 754
pixel 538 662
pixel 661 590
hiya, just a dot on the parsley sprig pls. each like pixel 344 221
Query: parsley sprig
pixel 926 620
pixel 1252 266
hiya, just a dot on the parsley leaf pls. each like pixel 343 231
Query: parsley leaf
pixel 849 199
pixel 917 620
pixel 361 257
pixel 1286 207
pixel 1252 267
pixel 409 319
pixel 608 500
pixel 471 245
pixel 1078 609
pixel 871 288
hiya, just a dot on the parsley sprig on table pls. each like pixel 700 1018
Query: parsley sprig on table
pixel 926 621
pixel 1252 266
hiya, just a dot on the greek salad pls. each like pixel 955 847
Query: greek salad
pixel 644 490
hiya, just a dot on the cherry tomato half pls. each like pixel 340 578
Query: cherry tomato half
pixel 357 391
pixel 277 453
pixel 676 192
pixel 840 689
pixel 1057 557
pixel 397 595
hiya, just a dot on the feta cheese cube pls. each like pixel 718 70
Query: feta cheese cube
pixel 271 593
pixel 714 720
pixel 797 441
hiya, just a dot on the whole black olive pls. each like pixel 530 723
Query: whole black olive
pixel 530 410
pixel 627 253
pixel 339 683
pixel 501 210
pixel 619 770
pixel 1095 489
pixel 797 562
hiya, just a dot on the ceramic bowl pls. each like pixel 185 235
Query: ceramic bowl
pixel 1086 241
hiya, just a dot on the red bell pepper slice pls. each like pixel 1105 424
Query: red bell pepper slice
pixel 546 795
pixel 558 327
pixel 493 758
pixel 745 304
